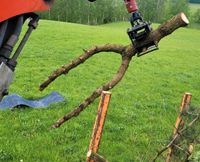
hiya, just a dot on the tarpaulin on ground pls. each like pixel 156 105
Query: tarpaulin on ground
pixel 14 100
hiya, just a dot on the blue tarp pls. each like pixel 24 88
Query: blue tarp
pixel 15 100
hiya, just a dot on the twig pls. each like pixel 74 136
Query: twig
pixel 179 133
pixel 178 147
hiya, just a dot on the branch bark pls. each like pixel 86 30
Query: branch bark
pixel 126 52
pixel 80 60
pixel 116 79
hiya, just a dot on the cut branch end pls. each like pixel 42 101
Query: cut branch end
pixel 184 18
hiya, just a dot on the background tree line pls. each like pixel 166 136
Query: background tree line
pixel 104 11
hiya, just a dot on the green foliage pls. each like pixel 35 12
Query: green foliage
pixel 177 6
pixel 143 108
pixel 195 157
pixel 197 16
pixel 84 12
pixel 173 7
pixel 105 11
pixel 153 10
pixel 4 156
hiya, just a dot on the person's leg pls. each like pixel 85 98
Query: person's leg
pixel 3 27
pixel 10 31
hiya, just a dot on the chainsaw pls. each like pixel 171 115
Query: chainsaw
pixel 13 15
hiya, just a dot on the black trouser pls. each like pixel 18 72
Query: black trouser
pixel 9 34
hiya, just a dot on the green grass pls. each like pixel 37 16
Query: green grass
pixel 143 108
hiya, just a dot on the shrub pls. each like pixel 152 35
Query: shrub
pixel 196 16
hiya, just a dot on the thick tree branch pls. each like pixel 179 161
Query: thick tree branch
pixel 127 52
pixel 81 59
pixel 163 30
pixel 116 79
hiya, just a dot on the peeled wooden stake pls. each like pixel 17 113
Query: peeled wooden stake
pixel 98 127
pixel 95 157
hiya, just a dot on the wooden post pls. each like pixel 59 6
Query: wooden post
pixel 179 121
pixel 95 157
pixel 99 124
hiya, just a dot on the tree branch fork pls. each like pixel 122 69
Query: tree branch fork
pixel 127 52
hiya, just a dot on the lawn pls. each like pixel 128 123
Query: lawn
pixel 143 107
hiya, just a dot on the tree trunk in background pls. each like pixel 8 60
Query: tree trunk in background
pixel 82 11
